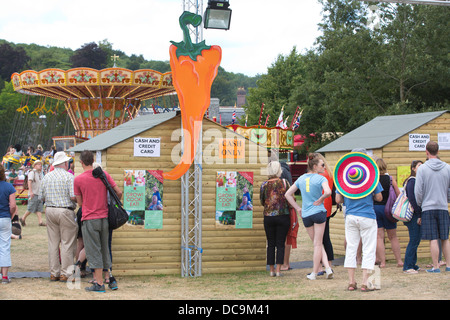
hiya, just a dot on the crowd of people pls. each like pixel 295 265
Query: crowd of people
pixel 427 189
pixel 85 236
pixel 82 237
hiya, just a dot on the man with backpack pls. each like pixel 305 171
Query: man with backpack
pixel 91 194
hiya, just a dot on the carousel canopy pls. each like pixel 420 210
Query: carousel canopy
pixel 80 83
pixel 96 100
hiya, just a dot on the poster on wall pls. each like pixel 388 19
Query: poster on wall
pixel 143 197
pixel 403 173
pixel 444 140
pixel 134 190
pixel 154 199
pixel 234 199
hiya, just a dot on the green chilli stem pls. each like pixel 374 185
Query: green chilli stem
pixel 186 47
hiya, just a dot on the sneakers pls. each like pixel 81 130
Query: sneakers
pixel 330 273
pixel 311 276
pixel 5 280
pixel 113 283
pixel 433 270
pixel 96 288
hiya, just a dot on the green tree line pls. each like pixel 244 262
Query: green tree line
pixel 370 60
pixel 27 128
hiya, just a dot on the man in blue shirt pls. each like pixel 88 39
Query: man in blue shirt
pixel 360 225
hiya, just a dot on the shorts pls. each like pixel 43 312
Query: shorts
pixel 318 218
pixel 96 243
pixel 35 204
pixel 382 221
pixel 435 225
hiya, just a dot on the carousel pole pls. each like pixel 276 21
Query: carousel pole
pixel 260 114
pixel 267 119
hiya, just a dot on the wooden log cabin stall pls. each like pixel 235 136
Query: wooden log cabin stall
pixel 399 140
pixel 147 245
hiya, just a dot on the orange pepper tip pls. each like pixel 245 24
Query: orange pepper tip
pixel 177 172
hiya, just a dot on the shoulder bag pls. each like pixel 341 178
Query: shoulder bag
pixel 117 215
pixel 402 210
pixel 390 203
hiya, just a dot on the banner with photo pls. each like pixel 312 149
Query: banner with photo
pixel 143 197
pixel 234 199
pixel 134 190
pixel 153 199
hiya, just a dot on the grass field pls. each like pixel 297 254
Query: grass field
pixel 30 254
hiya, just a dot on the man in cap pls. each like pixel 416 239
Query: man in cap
pixel 58 195
pixel 35 205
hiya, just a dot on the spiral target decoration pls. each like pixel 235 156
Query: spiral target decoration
pixel 356 175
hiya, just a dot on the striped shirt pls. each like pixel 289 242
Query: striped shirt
pixel 57 189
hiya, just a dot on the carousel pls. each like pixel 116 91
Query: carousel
pixel 94 100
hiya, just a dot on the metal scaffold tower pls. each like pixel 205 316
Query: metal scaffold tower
pixel 195 6
pixel 191 186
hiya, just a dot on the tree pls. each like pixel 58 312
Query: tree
pixel 90 55
pixel 9 102
pixel 416 50
pixel 12 60
pixel 275 89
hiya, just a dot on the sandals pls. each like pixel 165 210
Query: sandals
pixel 364 288
pixel 411 271
pixel 352 287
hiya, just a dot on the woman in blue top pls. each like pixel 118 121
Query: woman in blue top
pixel 7 211
pixel 314 189
pixel 360 227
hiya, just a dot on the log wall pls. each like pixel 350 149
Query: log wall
pixel 139 251
pixel 394 154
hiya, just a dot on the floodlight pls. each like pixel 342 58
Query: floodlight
pixel 217 15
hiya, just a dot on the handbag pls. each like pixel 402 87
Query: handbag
pixel 117 215
pixel 390 203
pixel 293 217
pixel 402 210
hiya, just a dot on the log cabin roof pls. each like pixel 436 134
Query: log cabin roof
pixel 380 131
pixel 124 131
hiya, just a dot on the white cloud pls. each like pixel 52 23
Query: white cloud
pixel 260 30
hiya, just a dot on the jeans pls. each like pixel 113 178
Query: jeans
pixel 276 228
pixel 410 261
pixel 5 242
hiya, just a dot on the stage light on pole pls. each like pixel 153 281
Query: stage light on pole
pixel 217 15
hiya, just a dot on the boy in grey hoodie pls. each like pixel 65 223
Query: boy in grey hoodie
pixel 432 194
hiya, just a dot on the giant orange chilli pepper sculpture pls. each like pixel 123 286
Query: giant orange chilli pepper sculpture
pixel 194 67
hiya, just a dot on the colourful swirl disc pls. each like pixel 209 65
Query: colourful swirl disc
pixel 356 175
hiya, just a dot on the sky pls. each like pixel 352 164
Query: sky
pixel 259 31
